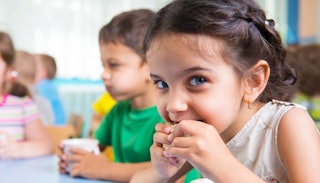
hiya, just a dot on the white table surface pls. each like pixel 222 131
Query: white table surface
pixel 37 170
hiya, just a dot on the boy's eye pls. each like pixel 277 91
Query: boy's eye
pixel 113 65
pixel 198 80
pixel 161 84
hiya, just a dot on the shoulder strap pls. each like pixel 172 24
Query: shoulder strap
pixel 183 170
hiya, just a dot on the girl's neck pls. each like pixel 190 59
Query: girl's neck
pixel 245 114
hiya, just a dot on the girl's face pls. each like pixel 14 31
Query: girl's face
pixel 124 74
pixel 194 82
pixel 3 68
pixel 4 73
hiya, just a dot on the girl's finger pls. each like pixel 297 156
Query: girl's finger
pixel 190 128
pixel 160 138
pixel 164 128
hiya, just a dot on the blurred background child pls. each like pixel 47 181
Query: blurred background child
pixel 25 66
pixel 22 134
pixel 45 74
pixel 306 59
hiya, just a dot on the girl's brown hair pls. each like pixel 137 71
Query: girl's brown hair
pixel 242 27
pixel 7 53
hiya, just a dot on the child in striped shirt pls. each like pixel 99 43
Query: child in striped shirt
pixel 22 134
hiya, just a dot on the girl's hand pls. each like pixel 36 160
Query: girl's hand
pixel 200 144
pixel 8 147
pixel 165 164
pixel 86 164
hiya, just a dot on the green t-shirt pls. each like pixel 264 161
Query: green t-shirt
pixel 129 131
pixel 193 174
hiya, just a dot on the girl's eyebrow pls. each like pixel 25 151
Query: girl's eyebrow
pixel 194 69
pixel 186 71
pixel 154 76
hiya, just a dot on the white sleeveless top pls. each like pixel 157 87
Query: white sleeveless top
pixel 256 145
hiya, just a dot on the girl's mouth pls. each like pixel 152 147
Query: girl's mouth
pixel 172 123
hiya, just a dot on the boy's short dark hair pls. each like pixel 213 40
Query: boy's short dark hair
pixel 128 28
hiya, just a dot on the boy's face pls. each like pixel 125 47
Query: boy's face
pixel 125 75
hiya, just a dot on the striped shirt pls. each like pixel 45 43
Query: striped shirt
pixel 15 114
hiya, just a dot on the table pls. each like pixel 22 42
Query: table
pixel 37 170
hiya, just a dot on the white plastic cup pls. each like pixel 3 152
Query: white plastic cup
pixel 90 145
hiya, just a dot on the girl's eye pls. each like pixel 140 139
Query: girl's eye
pixel 198 80
pixel 161 84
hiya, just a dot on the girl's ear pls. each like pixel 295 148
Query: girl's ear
pixel 11 74
pixel 256 81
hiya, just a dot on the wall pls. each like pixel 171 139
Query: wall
pixel 318 21
pixel 308 20
pixel 66 29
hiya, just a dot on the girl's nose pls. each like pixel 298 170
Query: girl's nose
pixel 176 103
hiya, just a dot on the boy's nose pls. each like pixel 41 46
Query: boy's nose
pixel 105 75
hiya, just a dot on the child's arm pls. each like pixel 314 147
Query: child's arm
pixel 99 167
pixel 148 175
pixel 152 175
pixel 299 146
pixel 37 143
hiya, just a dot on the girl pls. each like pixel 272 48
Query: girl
pixel 21 132
pixel 224 89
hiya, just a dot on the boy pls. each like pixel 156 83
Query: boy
pixel 129 126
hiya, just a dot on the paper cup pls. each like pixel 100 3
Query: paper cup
pixel 90 145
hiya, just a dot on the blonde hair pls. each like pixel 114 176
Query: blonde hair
pixel 48 63
pixel 25 66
